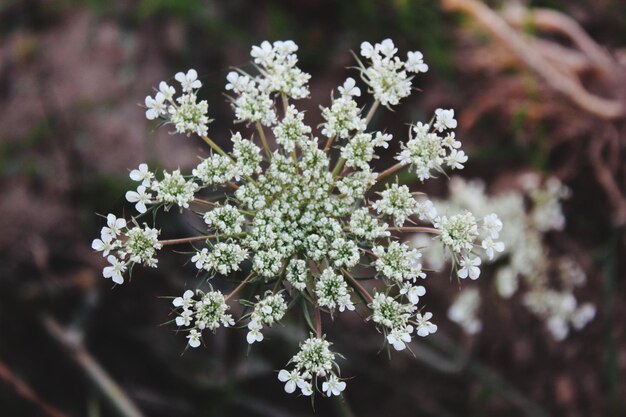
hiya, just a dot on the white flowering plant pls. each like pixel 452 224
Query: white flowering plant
pixel 546 281
pixel 300 210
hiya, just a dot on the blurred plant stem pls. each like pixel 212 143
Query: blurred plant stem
pixel 71 342
pixel 611 350
pixel 27 393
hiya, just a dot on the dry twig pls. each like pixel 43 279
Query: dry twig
pixel 512 40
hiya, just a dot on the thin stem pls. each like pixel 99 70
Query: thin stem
pixel 369 252
pixel 185 240
pixel 216 147
pixel 358 286
pixel 390 170
pixel 259 128
pixel 338 166
pixel 204 202
pixel 278 282
pixel 285 102
pixel 76 350
pixel 415 230
pixel 370 113
pixel 329 142
pixel 240 286
pixel 318 321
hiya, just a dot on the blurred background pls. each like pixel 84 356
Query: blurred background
pixel 538 88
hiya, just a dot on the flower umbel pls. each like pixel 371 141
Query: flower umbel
pixel 304 216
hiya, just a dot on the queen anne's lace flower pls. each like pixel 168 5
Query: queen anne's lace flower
pixel 387 75
pixel 332 291
pixel 525 264
pixel 302 219
pixel 397 202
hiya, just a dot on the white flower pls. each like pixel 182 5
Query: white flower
pixel 140 197
pixel 115 270
pixel 292 380
pixel 185 301
pixel 345 303
pixel 188 81
pixel 387 48
pixel 464 311
pixel 469 267
pixel 367 50
pixel 185 318
pixel 398 262
pixel 415 62
pixel 239 83
pixel 389 312
pixel 306 389
pixel 396 201
pixel 342 118
pixel 333 386
pixel 398 338
pixel 349 88
pixel 424 326
pixel 262 54
pixel 413 292
pixel 114 226
pixel 156 106
pixel 194 338
pixel 254 332
pixel 456 159
pixel 490 246
pixel 492 225
pixel 426 210
pixel 268 310
pixel 444 119
pixel 216 169
pixel 331 290
pixel 167 91
pixel 189 115
pixel 345 253
pixel 458 232
pixel 381 140
pixel 297 273
pixel 105 245
pixel 142 174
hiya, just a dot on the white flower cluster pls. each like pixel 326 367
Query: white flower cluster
pixel 278 74
pixel 426 151
pixel 172 189
pixel 332 291
pixel 123 247
pixel 343 117
pixel 313 361
pixel 388 75
pixel 459 233
pixel 186 113
pixel 549 290
pixel 209 311
pixel 464 311
pixel 267 311
pixel 301 220
pixel 396 320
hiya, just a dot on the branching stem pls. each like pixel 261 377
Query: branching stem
pixel 240 286
pixel 358 286
pixel 185 240
pixel 390 170
pixel 415 229
pixel 259 128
